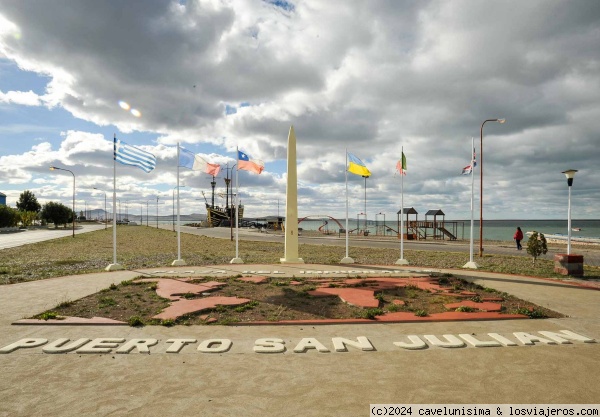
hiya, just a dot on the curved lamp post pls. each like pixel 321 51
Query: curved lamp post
pixel 481 183
pixel 569 174
pixel 52 168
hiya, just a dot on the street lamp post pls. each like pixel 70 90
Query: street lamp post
pixel 569 174
pixel 157 212
pixel 377 223
pixel 147 217
pixel 481 183
pixel 52 168
pixel 569 264
pixel 105 213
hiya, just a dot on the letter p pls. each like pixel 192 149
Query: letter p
pixel 23 343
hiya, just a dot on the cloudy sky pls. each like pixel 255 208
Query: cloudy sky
pixel 372 77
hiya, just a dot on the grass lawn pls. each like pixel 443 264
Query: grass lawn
pixel 148 247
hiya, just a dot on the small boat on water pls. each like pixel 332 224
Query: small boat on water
pixel 576 229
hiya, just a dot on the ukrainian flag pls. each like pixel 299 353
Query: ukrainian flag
pixel 357 167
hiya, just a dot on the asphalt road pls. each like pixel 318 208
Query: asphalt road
pixel 591 254
pixel 25 237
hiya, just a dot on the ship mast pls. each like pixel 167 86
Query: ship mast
pixel 227 181
pixel 212 184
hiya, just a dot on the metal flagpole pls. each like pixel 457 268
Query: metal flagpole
pixel 402 206
pixel 234 199
pixel 178 261
pixel 472 197
pixel 114 266
pixel 471 264
pixel 347 259
pixel 402 261
pixel 114 199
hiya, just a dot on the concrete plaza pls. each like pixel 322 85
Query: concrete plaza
pixel 319 381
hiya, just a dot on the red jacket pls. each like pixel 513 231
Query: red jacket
pixel 518 235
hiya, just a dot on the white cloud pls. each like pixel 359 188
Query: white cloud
pixel 368 76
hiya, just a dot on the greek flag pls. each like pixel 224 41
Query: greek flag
pixel 130 155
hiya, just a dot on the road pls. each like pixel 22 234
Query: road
pixel 25 237
pixel 591 254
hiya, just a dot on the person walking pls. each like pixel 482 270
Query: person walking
pixel 518 237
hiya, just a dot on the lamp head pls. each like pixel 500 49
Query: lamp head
pixel 52 168
pixel 501 120
pixel 570 174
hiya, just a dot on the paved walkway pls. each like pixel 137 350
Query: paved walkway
pixel 25 237
pixel 222 371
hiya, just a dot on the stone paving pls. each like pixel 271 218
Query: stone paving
pixel 225 370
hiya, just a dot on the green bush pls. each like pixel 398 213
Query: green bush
pixel 27 217
pixel 56 213
pixel 536 245
pixel 135 321
pixel 9 217
pixel 371 313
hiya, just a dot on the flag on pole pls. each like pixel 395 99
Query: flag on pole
pixel 130 155
pixel 248 164
pixel 401 165
pixel 195 162
pixel 469 168
pixel 356 166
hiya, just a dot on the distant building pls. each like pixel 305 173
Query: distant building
pixel 3 199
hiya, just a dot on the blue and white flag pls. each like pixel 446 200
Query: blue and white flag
pixel 130 155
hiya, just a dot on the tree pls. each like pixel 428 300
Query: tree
pixel 56 213
pixel 28 217
pixel 9 217
pixel 28 202
pixel 536 245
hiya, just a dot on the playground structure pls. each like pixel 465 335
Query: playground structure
pixel 324 228
pixel 431 228
pixel 436 229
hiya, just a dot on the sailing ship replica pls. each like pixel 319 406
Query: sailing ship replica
pixel 222 216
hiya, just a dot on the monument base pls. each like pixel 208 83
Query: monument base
pixel 178 262
pixel 568 264
pixel 401 262
pixel 347 260
pixel 114 267
pixel 291 260
pixel 471 265
pixel 236 261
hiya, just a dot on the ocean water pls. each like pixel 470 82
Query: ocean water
pixel 492 229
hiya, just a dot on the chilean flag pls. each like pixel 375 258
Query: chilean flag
pixel 246 163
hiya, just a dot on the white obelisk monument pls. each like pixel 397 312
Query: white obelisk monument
pixel 291 205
